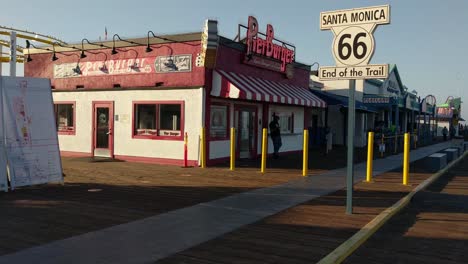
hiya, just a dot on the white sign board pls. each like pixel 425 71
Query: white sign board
pixel 30 132
pixel 354 42
pixel 375 71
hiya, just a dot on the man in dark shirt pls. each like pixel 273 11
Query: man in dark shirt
pixel 275 135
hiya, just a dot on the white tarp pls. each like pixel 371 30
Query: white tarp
pixel 3 169
pixel 30 132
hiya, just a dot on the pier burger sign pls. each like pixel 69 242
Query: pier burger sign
pixel 354 43
pixel 264 51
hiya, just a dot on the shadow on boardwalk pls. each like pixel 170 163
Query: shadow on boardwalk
pixel 432 229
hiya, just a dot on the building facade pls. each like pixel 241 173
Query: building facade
pixel 139 99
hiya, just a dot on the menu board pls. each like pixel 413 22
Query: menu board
pixel 30 131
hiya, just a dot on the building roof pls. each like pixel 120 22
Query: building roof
pixel 130 42
pixel 334 99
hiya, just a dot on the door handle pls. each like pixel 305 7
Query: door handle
pixel 108 132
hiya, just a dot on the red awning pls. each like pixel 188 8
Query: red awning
pixel 239 86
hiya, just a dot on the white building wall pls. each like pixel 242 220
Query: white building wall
pixel 124 144
pixel 291 141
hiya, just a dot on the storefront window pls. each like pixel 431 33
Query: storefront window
pixel 169 119
pixel 286 122
pixel 64 116
pixel 158 120
pixel 145 119
pixel 219 121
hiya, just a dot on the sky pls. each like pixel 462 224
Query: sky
pixel 427 40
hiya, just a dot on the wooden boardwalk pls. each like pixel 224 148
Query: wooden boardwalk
pixel 433 229
pixel 307 232
pixel 98 195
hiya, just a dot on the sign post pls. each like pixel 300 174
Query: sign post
pixel 13 53
pixel 352 49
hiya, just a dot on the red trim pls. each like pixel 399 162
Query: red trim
pixel 163 161
pixel 74 117
pixel 110 105
pixel 156 103
pixel 75 154
pixel 206 123
pixel 227 137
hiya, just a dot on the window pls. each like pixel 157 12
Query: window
pixel 286 122
pixel 156 120
pixel 219 121
pixel 65 117
pixel 169 120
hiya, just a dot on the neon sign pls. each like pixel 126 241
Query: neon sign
pixel 266 47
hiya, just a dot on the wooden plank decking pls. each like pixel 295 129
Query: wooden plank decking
pixel 433 229
pixel 307 232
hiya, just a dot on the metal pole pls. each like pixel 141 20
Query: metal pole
pixel 185 150
pixel 305 154
pixel 264 150
pixel 406 159
pixel 233 148
pixel 13 54
pixel 370 156
pixel 350 168
pixel 203 148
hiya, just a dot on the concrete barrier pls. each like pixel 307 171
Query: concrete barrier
pixel 452 154
pixel 436 162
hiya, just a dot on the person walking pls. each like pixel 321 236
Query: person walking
pixel 275 135
pixel 445 132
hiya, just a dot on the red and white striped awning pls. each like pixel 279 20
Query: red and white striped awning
pixel 239 86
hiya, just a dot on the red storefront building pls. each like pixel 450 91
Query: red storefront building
pixel 135 99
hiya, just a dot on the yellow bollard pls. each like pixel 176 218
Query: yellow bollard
pixel 264 150
pixel 305 156
pixel 406 159
pixel 203 148
pixel 233 148
pixel 370 156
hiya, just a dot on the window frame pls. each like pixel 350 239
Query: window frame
pixel 228 122
pixel 157 103
pixel 61 132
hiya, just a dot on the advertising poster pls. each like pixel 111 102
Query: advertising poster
pixel 30 132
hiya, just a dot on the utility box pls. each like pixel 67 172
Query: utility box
pixel 435 162
pixel 452 154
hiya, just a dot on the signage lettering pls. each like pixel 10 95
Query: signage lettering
pixel 374 71
pixel 162 64
pixel 356 17
pixel 374 15
pixel 376 100
pixel 266 47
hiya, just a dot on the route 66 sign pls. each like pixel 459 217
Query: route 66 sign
pixel 354 42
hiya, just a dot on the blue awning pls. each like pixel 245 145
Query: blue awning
pixel 334 99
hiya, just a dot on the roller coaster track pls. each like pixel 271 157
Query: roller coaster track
pixel 23 34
